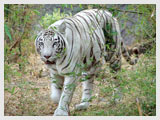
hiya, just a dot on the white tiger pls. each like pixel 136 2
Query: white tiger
pixel 75 41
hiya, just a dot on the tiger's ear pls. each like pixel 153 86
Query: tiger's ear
pixel 62 27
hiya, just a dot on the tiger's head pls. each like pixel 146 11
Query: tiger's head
pixel 50 44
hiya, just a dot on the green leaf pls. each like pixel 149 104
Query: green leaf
pixel 36 12
pixel 71 7
pixel 6 9
pixel 63 5
pixel 13 90
pixel 6 89
pixel 80 5
pixel 7 31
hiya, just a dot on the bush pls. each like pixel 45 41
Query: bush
pixel 47 20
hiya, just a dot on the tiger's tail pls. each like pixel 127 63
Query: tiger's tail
pixel 127 53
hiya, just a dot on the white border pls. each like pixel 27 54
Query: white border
pixel 79 1
pixel 2 2
pixel 158 59
pixel 1 59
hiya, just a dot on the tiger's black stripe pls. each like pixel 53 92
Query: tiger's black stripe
pixel 99 29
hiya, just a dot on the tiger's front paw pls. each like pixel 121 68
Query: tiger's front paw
pixel 82 106
pixel 60 112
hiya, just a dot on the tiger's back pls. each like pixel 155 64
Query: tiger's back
pixel 86 39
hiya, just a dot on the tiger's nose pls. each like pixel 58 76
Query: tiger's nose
pixel 47 56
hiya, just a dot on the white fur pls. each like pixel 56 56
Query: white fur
pixel 81 47
pixel 55 94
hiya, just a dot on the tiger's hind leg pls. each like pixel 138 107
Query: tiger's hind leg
pixel 115 63
pixel 86 95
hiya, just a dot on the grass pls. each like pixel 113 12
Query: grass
pixel 114 94
pixel 120 91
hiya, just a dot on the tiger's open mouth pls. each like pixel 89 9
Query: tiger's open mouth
pixel 50 62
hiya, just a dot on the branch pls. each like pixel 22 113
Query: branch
pixel 15 44
pixel 139 107
pixel 114 9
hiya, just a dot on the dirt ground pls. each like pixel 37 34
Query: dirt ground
pixel 32 92
pixel 28 94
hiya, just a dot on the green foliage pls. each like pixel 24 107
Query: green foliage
pixel 50 19
pixel 18 24
pixel 7 72
pixel 18 20
pixel 12 90
pixel 121 89
pixel 145 25
pixel 67 6
pixel 7 31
